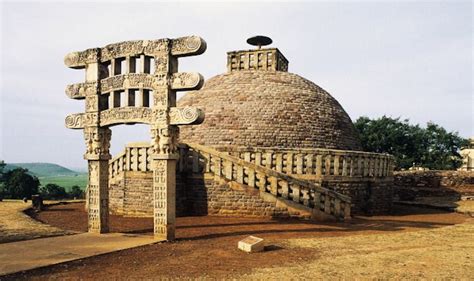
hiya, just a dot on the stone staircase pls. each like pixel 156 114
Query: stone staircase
pixel 303 197
pixel 271 192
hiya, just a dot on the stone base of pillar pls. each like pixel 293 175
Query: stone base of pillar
pixel 164 195
pixel 98 196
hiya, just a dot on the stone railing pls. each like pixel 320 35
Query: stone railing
pixel 319 163
pixel 135 157
pixel 201 159
pixel 259 59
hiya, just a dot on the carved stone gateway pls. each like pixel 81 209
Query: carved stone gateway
pixel 127 83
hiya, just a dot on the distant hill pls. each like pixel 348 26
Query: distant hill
pixel 43 169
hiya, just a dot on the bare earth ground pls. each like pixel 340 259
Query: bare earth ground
pixel 411 243
pixel 15 225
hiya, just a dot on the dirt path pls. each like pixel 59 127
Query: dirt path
pixel 207 246
pixel 15 225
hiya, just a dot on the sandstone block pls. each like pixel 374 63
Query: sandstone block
pixel 251 244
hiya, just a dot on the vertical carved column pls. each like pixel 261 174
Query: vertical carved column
pixel 97 154
pixel 164 195
pixel 165 154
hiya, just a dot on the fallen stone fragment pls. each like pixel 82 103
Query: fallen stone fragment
pixel 251 244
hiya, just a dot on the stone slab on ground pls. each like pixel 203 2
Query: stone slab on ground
pixel 25 255
pixel 15 225
pixel 251 244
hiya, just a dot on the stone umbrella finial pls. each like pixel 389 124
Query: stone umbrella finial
pixel 259 41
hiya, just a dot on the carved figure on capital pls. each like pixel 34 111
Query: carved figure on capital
pixel 97 142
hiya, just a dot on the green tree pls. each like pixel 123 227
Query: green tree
pixel 18 183
pixel 76 192
pixel 53 191
pixel 432 147
pixel 2 190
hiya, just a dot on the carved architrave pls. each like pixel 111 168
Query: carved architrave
pixel 131 81
pixel 81 120
pixel 81 90
pixel 80 59
pixel 186 81
pixel 188 46
pixel 132 115
pixel 184 46
pixel 186 116
pixel 126 115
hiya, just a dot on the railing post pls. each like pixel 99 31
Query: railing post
pixel 289 163
pixel 279 162
pixel 262 181
pixel 305 197
pixel 258 158
pixel 344 165
pixel 309 164
pixel 240 174
pixel 319 165
pixel 128 160
pixel 328 165
pixel 142 159
pixel 268 160
pixel 360 169
pixel 327 204
pixel 218 167
pixel 273 185
pixel 299 164
pixel 295 192
pixel 284 189
pixel 228 167
pixel 251 178
pixel 336 165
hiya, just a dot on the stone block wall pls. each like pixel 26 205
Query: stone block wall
pixel 132 195
pixel 208 195
pixel 138 193
pixel 116 194
pixel 368 197
pixel 408 185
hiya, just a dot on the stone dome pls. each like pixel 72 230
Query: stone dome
pixel 267 108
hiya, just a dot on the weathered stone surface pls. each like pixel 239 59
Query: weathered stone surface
pixel 274 132
pixel 268 109
pixel 117 91
pixel 409 185
pixel 251 244
pixel 467 154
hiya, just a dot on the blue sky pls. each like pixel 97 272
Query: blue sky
pixel 409 59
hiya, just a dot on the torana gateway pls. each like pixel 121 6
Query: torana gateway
pixel 271 144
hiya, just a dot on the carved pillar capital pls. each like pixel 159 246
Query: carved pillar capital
pixel 97 143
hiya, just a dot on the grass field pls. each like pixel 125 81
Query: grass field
pixel 66 181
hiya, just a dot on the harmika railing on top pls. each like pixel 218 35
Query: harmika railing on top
pixel 319 162
pixel 198 159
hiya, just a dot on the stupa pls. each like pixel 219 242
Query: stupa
pixel 272 143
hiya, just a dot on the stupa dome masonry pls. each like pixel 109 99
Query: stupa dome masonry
pixel 258 103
